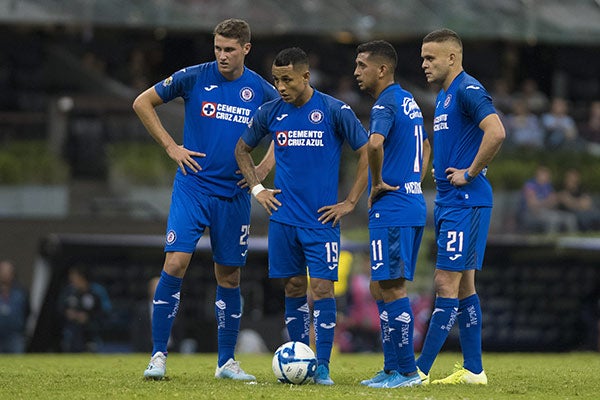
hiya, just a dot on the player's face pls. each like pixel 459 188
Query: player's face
pixel 291 83
pixel 436 61
pixel 366 73
pixel 230 55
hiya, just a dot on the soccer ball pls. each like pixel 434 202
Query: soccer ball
pixel 294 362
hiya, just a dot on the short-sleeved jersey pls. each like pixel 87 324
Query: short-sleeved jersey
pixel 216 114
pixel 457 137
pixel 397 116
pixel 308 146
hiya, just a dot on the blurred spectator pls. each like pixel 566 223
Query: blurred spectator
pixel 318 78
pixel 536 100
pixel 561 131
pixel 502 98
pixel 14 309
pixel 346 92
pixel 83 307
pixel 359 329
pixel 590 131
pixel 523 127
pixel 538 211
pixel 572 198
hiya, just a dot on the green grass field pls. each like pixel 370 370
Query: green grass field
pixel 119 376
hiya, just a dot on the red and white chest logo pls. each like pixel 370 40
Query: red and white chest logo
pixel 282 138
pixel 209 109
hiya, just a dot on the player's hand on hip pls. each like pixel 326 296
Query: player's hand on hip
pixel 185 158
pixel 267 199
pixel 378 190
pixel 335 212
pixel 456 177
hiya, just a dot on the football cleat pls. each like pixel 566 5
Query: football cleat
pixel 379 376
pixel 232 370
pixel 462 375
pixel 395 380
pixel 423 376
pixel 157 368
pixel 322 376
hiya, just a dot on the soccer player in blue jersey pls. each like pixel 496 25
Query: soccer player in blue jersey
pixel 308 128
pixel 220 98
pixel 398 150
pixel 467 135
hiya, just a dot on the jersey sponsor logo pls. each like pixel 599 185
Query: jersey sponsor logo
pixel 168 81
pixel 211 87
pixel 447 101
pixel 303 138
pixel 404 318
pixel 171 237
pixel 315 116
pixel 440 122
pixel 474 87
pixel 247 94
pixel 413 188
pixel 220 304
pixel 226 112
pixel 281 117
pixel 411 108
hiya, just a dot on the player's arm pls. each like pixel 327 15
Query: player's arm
pixel 145 108
pixel 262 169
pixel 335 212
pixel 266 197
pixel 493 136
pixel 375 156
pixel 426 158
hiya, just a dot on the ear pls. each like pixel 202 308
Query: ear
pixel 451 58
pixel 246 48
pixel 306 76
pixel 383 70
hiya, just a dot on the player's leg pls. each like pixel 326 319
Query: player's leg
pixel 469 317
pixel 229 231
pixel 322 249
pixel 396 253
pixel 286 260
pixel 165 306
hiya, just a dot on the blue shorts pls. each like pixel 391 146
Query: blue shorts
pixel 228 218
pixel 461 235
pixel 394 252
pixel 293 249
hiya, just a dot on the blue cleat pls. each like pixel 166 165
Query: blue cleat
pixel 322 376
pixel 232 370
pixel 157 367
pixel 395 379
pixel 379 376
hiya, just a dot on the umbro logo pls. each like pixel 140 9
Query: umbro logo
pixel 281 117
pixel 211 87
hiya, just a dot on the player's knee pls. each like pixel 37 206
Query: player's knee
pixel 296 286
pixel 321 289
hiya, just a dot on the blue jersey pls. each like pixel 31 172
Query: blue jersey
pixel 308 146
pixel 216 114
pixel 457 138
pixel 397 116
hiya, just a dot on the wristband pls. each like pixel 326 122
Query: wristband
pixel 257 189
pixel 468 177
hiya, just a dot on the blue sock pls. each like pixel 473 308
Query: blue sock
pixel 324 321
pixel 401 322
pixel 228 311
pixel 469 322
pixel 442 319
pixel 390 358
pixel 164 311
pixel 297 319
